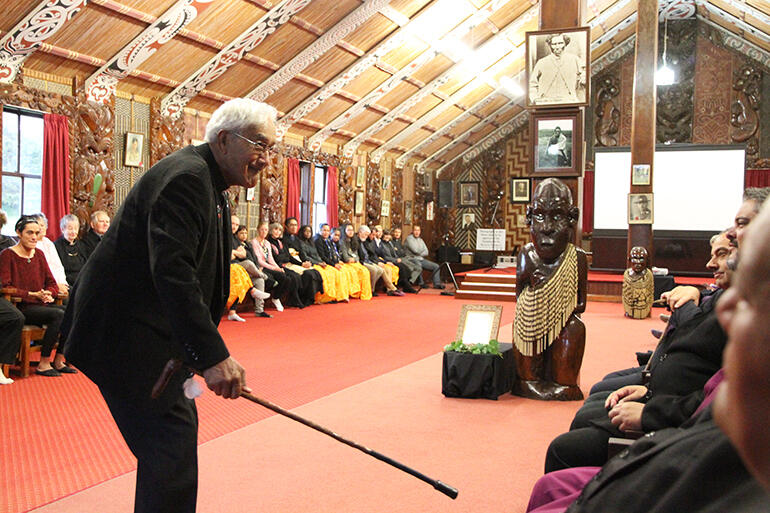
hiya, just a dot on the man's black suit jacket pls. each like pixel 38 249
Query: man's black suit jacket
pixel 156 286
pixel 89 242
pixel 325 251
pixel 374 251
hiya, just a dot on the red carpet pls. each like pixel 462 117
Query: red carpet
pixel 57 436
pixel 492 451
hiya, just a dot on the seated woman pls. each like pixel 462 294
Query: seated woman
pixel 307 281
pixel 72 256
pixel 267 265
pixel 333 286
pixel 260 281
pixel 240 285
pixel 349 259
pixel 25 269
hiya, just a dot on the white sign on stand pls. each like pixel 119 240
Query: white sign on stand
pixel 488 239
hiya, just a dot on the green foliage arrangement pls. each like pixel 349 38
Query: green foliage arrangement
pixel 459 347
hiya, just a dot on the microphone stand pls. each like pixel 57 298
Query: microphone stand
pixel 494 223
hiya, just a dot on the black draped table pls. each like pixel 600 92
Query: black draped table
pixel 478 375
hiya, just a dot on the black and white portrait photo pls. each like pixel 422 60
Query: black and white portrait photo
pixel 557 67
pixel 640 208
pixel 554 148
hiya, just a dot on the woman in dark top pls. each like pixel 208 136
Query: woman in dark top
pixel 304 279
pixel 68 247
pixel 25 269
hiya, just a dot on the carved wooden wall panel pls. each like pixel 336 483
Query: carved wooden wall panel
pixel 373 193
pixel 396 197
pixel 516 160
pixel 90 129
pixel 271 193
pixel 346 194
pixel 711 121
pixel 674 109
pixel 626 99
pixel 465 236
pixel 606 111
pixel 744 111
pixel 166 133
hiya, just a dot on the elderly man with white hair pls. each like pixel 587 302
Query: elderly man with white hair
pixel 377 269
pixel 155 289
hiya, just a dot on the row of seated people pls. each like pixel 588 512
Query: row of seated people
pixel 334 265
pixel 683 460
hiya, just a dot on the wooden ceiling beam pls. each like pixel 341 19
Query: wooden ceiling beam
pixel 173 104
pixel 317 49
pixel 26 37
pixel 101 86
pixel 389 84
pixel 502 39
pixel 333 86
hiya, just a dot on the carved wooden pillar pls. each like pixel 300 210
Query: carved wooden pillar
pixel 166 133
pixel 644 112
pixel 744 111
pixel 396 197
pixel 675 102
pixel 346 193
pixel 271 191
pixel 606 113
pixel 373 194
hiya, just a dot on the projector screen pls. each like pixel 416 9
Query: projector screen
pixel 696 188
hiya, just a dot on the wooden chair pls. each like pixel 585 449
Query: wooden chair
pixel 29 333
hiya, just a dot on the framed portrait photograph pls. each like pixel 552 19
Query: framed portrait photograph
pixel 408 212
pixel 132 156
pixel 557 136
pixel 469 220
pixel 358 203
pixel 640 174
pixel 557 67
pixel 385 209
pixel 469 194
pixel 360 176
pixel 640 208
pixel 520 190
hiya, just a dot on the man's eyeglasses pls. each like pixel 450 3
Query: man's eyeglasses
pixel 259 146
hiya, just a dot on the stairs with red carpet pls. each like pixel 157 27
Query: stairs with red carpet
pixel 488 285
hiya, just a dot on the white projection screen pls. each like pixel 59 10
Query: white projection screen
pixel 696 188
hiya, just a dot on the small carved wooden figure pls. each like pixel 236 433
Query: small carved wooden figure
pixel 551 287
pixel 638 285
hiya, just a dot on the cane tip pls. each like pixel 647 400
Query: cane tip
pixel 447 490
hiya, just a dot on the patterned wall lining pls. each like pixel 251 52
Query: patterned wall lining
pixel 126 177
pixel 465 238
pixel 47 85
pixel 516 159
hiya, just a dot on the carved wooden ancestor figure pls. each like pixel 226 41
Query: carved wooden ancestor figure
pixel 551 285
pixel 638 285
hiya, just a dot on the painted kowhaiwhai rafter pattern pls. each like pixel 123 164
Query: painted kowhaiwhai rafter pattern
pixel 312 53
pixel 100 86
pixel 488 49
pixel 389 84
pixel 173 104
pixel 47 18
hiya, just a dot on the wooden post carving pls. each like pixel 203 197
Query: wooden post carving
pixel 166 133
pixel 396 197
pixel 346 192
pixel 373 193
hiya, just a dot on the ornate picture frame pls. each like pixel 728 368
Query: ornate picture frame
pixel 557 138
pixel 558 67
pixel 133 150
pixel 469 194
pixel 479 324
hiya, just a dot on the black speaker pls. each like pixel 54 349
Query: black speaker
pixel 449 254
pixel 445 194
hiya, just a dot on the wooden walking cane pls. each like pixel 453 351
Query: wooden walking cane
pixel 174 365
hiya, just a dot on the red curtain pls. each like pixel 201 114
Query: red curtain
pixel 56 171
pixel 331 196
pixel 757 178
pixel 292 189
pixel 588 201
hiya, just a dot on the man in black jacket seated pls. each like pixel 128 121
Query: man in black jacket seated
pixel 155 289
pixel 386 252
pixel 100 223
pixel 720 459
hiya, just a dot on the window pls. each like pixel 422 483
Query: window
pixel 319 197
pixel 22 164
pixel 304 194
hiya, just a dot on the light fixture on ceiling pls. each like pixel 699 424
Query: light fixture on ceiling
pixel 665 75
pixel 511 88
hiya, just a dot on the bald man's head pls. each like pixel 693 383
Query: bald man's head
pixel 742 406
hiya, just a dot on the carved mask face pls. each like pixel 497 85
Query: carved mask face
pixel 638 259
pixel 551 222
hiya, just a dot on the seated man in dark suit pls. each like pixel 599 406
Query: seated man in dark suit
pixel 415 276
pixel 367 255
pixel 720 459
pixel 388 253
pixel 100 223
